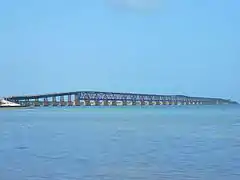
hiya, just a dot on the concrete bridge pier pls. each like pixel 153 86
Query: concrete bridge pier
pixel 37 103
pixel 125 102
pixel 134 102
pixel 92 103
pixel 150 103
pixel 87 102
pixel 103 102
pixel 45 101
pixel 141 103
pixel 98 102
pixel 54 101
pixel 70 103
pixel 171 102
pixel 27 102
pixel 175 102
pixel 114 102
pixel 62 101
pixel 109 103
pixel 157 102
pixel 76 100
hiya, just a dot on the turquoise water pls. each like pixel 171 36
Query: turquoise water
pixel 130 143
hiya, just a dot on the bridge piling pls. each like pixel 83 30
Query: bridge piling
pixel 70 103
pixel 77 101
pixel 45 102
pixel 62 101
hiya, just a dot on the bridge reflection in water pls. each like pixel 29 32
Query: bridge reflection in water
pixel 90 98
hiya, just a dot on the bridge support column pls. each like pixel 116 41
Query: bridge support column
pixel 109 102
pixel 87 102
pixel 76 100
pixel 124 102
pixel 104 102
pixel 179 103
pixel 98 102
pixel 54 101
pixel 134 102
pixel 70 103
pixel 146 103
pixel 174 103
pixel 93 102
pixel 36 103
pixel 27 103
pixel 114 102
pixel 171 102
pixel 153 103
pixel 45 102
pixel 138 103
pixel 62 102
pixel 82 102
pixel 119 102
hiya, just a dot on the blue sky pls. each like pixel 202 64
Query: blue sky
pixel 165 47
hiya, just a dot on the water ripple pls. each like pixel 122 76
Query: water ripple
pixel 137 144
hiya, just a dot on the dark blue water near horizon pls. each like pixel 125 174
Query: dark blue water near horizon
pixel 121 143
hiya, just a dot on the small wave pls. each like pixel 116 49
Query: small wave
pixel 236 124
pixel 22 147
pixel 57 157
pixel 81 159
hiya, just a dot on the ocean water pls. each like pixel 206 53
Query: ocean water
pixel 121 143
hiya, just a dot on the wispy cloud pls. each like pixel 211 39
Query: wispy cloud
pixel 136 4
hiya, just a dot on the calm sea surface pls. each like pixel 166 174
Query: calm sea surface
pixel 130 143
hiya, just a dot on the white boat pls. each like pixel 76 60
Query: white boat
pixel 5 103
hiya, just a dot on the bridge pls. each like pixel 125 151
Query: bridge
pixel 93 98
